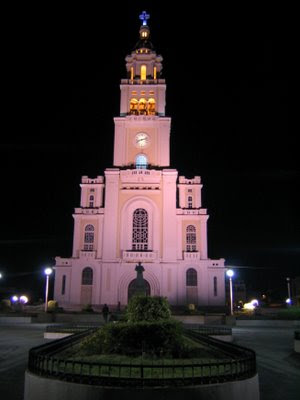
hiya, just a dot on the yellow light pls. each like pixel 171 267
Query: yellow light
pixel 249 306
pixel 131 73
pixel 143 72
pixel 154 73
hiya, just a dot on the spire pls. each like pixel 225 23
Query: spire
pixel 144 42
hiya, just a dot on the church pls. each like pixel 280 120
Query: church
pixel 140 211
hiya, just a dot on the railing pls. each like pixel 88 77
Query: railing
pixel 72 328
pixel 209 330
pixel 191 255
pixel 139 255
pixel 239 364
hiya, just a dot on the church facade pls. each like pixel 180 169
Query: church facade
pixel 140 210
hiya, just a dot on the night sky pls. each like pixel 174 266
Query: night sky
pixel 227 72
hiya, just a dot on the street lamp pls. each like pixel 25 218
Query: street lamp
pixel 230 274
pixel 47 272
pixel 289 291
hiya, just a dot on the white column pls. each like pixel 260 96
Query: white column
pixel 169 215
pixel 111 214
pixel 203 236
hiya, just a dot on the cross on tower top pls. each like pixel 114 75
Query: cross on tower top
pixel 144 17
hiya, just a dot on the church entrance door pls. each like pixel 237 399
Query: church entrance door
pixel 132 288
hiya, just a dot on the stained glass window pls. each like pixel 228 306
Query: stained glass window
pixel 191 277
pixel 87 276
pixel 89 236
pixel 140 230
pixel 190 238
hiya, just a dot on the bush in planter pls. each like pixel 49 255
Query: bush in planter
pixel 52 305
pixel 5 305
pixel 146 308
pixel 159 338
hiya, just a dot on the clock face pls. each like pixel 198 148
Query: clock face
pixel 141 140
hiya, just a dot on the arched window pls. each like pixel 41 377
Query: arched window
pixel 191 277
pixel 141 161
pixel 143 72
pixel 91 201
pixel 87 276
pixel 133 106
pixel 63 284
pixel 89 236
pixel 154 72
pixel 190 201
pixel 142 106
pixel 215 286
pixel 131 73
pixel 191 238
pixel 151 106
pixel 140 229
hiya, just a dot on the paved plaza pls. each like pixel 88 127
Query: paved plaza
pixel 278 365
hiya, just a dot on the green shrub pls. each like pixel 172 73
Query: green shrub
pixel 52 305
pixel 5 305
pixel 146 308
pixel 159 338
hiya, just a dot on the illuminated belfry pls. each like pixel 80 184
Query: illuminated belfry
pixel 131 214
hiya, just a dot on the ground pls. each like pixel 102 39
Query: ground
pixel 278 365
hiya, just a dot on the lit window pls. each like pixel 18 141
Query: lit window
pixel 151 106
pixel 134 106
pixel 87 276
pixel 142 106
pixel 140 230
pixel 191 277
pixel 190 238
pixel 131 73
pixel 143 72
pixel 190 202
pixel 141 161
pixel 154 73
pixel 89 237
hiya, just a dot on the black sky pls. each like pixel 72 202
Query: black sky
pixel 227 73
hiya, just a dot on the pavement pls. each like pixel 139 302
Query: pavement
pixel 15 342
pixel 278 365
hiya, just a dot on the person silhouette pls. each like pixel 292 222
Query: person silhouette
pixel 105 312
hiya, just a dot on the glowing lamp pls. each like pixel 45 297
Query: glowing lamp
pixel 254 302
pixel 48 271
pixel 0 275
pixel 15 298
pixel 288 301
pixel 230 273
pixel 23 299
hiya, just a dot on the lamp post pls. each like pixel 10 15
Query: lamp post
pixel 289 290
pixel 230 274
pixel 47 272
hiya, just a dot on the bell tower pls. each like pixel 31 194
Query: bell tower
pixel 142 132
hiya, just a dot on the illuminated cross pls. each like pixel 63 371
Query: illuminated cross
pixel 143 17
